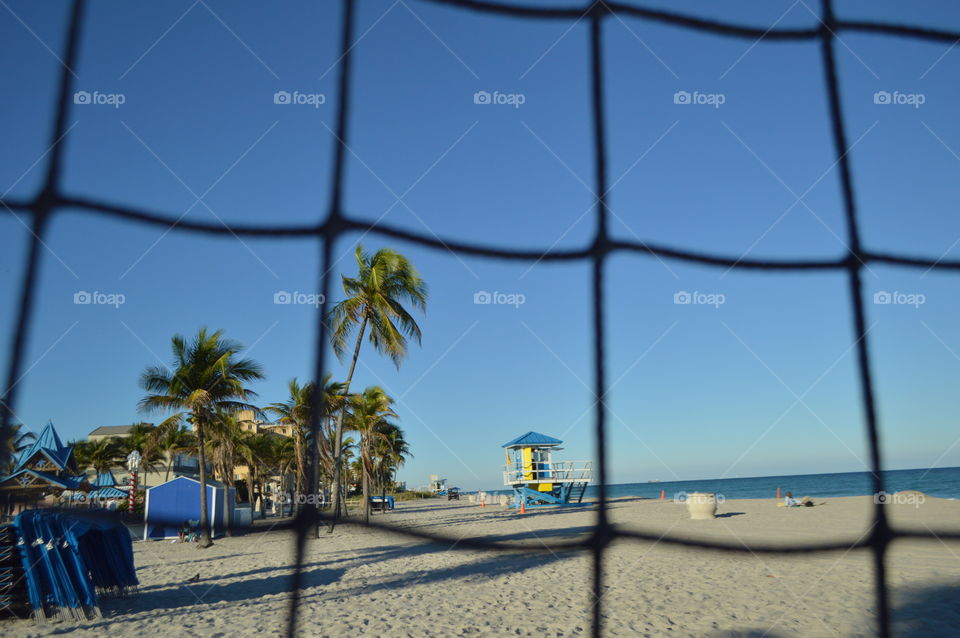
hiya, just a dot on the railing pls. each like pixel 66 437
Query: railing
pixel 554 472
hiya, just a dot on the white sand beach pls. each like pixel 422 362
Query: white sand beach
pixel 371 583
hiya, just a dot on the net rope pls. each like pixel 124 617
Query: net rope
pixel 336 222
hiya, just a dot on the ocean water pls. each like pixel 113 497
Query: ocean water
pixel 943 482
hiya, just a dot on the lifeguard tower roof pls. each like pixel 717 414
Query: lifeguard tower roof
pixel 532 439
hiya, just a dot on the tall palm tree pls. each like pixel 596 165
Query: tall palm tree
pixel 227 436
pixel 256 450
pixel 333 398
pixel 391 450
pixel 375 297
pixel 296 412
pixel 369 414
pixel 206 378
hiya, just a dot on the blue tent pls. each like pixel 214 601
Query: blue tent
pixel 178 500
pixel 105 479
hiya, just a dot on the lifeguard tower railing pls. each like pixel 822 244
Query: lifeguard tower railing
pixel 553 472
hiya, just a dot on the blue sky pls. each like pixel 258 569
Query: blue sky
pixel 762 383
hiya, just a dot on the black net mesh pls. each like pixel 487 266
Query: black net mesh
pixel 335 223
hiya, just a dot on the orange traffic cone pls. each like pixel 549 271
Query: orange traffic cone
pixel 483 499
pixel 523 510
pixel 778 492
pixel 663 495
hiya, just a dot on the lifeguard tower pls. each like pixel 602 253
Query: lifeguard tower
pixel 438 485
pixel 537 479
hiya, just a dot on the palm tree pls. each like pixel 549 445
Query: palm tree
pixel 14 443
pixel 170 439
pixel 256 450
pixel 333 398
pixel 296 412
pixel 368 416
pixel 207 378
pixel 100 455
pixel 226 437
pixel 139 438
pixel 390 452
pixel 374 298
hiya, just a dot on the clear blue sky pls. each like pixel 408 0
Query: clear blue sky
pixel 699 391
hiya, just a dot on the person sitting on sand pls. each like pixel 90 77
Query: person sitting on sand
pixel 184 530
pixel 789 501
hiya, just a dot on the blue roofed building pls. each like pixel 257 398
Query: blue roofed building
pixel 46 467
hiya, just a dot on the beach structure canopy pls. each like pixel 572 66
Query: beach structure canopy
pixel 532 439
pixel 178 500
pixel 46 465
pixel 108 492
pixel 105 479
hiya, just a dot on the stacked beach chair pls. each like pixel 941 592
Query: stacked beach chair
pixel 70 558
pixel 13 586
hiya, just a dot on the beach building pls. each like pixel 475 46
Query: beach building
pixel 42 473
pixel 109 431
pixel 169 504
pixel 438 485
pixel 537 478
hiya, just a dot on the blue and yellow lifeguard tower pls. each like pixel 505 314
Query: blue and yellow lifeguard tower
pixel 537 479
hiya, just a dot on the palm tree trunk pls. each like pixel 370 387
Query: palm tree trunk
pixel 299 481
pixel 338 437
pixel 228 506
pixel 250 496
pixel 205 538
pixel 364 456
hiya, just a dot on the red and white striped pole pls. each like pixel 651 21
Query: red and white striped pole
pixel 133 493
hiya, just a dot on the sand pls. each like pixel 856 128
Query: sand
pixel 370 583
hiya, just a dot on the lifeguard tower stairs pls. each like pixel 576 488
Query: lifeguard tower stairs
pixel 537 479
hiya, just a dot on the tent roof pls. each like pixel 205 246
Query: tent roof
pixel 50 444
pixel 531 439
pixel 66 482
pixel 108 492
pixel 104 479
